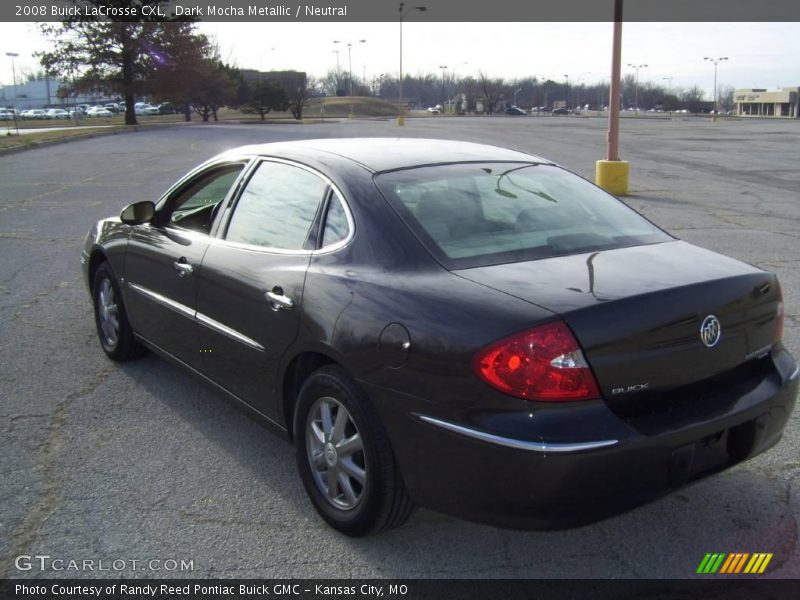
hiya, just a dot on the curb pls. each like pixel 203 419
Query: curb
pixel 88 135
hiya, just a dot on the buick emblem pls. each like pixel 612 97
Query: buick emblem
pixel 710 331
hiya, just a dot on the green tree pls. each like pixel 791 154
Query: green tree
pixel 115 56
pixel 180 74
pixel 264 96
pixel 215 87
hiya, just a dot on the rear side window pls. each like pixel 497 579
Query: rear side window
pixel 478 214
pixel 277 207
pixel 336 224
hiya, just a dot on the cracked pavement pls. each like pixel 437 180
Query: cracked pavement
pixel 140 461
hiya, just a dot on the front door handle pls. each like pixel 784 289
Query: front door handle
pixel 277 300
pixel 182 267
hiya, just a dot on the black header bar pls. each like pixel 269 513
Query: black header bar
pixel 387 10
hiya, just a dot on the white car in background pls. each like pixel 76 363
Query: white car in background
pixel 99 111
pixel 57 113
pixel 146 109
pixel 34 113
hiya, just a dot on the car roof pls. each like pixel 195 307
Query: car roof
pixel 386 154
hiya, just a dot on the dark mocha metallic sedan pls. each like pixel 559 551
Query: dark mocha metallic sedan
pixel 450 325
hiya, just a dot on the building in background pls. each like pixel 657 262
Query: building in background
pixel 43 92
pixel 762 103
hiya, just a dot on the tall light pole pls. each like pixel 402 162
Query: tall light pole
pixel 349 61
pixel 716 61
pixel 636 89
pixel 349 70
pixel 566 90
pixel 455 83
pixel 401 119
pixel 515 95
pixel 444 70
pixel 612 173
pixel 14 55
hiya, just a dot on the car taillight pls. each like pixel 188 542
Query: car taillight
pixel 779 319
pixel 545 363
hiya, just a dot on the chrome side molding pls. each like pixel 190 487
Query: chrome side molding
pixel 491 438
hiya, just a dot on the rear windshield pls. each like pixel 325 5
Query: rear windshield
pixel 489 213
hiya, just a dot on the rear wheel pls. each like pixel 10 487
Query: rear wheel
pixel 344 457
pixel 113 329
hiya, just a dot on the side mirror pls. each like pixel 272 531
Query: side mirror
pixel 138 213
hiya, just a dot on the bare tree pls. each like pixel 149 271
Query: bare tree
pixel 299 93
pixel 492 90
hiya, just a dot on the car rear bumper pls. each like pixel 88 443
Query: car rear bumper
pixel 480 465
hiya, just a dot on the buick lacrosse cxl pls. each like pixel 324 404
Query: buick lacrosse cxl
pixel 450 325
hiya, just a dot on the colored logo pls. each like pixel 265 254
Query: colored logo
pixel 729 564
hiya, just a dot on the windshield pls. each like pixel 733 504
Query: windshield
pixel 479 214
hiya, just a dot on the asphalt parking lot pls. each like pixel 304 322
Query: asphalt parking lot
pixel 141 462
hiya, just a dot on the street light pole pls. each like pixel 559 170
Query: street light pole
pixel 401 119
pixel 612 173
pixel 636 90
pixel 716 61
pixel 566 90
pixel 349 70
pixel 14 55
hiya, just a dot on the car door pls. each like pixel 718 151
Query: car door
pixel 250 293
pixel 163 260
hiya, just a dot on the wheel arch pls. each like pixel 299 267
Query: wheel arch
pixel 297 371
pixel 96 258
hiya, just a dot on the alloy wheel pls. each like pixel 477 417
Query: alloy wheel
pixel 335 452
pixel 107 314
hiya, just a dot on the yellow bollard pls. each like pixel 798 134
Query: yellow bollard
pixel 612 176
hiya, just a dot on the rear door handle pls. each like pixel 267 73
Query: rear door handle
pixel 182 267
pixel 277 300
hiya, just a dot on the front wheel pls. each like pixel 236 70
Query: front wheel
pixel 344 457
pixel 113 329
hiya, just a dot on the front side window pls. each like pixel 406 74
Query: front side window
pixel 194 205
pixel 277 207
pixel 478 214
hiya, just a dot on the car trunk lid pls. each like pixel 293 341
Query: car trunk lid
pixel 638 314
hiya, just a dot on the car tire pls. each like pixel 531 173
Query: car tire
pixel 368 494
pixel 111 320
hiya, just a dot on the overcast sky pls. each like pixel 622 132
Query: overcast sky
pixel 762 55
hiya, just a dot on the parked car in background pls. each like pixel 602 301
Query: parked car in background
pixel 146 109
pixel 113 107
pixel 57 113
pixel 6 115
pixel 562 111
pixel 515 111
pixel 435 110
pixel 167 108
pixel 34 113
pixel 462 327
pixel 99 111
